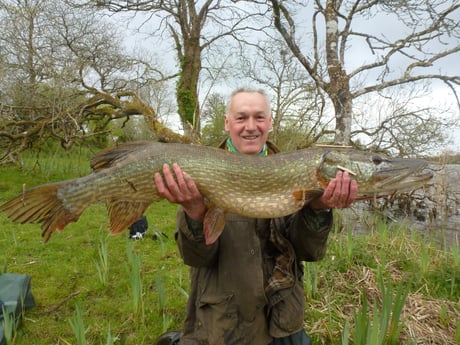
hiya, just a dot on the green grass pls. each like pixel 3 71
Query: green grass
pixel 91 288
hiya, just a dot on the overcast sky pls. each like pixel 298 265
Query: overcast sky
pixel 355 57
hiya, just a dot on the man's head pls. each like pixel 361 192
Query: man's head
pixel 248 120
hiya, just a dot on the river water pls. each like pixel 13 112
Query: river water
pixel 433 211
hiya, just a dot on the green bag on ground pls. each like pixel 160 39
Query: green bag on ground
pixel 15 298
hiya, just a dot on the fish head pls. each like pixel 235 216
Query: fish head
pixel 376 174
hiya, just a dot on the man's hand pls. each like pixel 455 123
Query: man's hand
pixel 340 193
pixel 181 190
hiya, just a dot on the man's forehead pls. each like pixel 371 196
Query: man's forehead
pixel 249 107
pixel 249 99
pixel 249 112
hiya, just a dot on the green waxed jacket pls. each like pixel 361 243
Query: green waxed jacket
pixel 228 303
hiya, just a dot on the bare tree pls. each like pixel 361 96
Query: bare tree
pixel 296 103
pixel 397 126
pixel 410 46
pixel 193 27
pixel 213 119
pixel 31 95
pixel 65 77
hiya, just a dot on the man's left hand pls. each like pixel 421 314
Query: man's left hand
pixel 340 193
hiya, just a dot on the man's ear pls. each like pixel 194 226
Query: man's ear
pixel 226 123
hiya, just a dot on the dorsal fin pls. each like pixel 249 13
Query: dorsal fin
pixel 107 157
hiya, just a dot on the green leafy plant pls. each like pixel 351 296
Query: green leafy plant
pixel 78 326
pixel 382 326
pixel 135 280
pixel 102 265
pixel 311 279
pixel 9 326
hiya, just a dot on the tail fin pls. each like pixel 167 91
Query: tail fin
pixel 40 205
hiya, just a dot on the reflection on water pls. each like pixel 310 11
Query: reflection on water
pixel 362 219
pixel 433 211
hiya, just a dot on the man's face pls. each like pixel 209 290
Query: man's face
pixel 248 122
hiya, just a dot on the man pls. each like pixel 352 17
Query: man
pixel 247 288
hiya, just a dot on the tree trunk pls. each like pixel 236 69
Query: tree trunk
pixel 189 49
pixel 343 106
pixel 338 87
pixel 187 87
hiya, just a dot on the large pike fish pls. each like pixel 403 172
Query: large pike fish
pixel 252 186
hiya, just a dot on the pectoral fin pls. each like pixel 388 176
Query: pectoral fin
pixel 213 224
pixel 123 214
pixel 307 195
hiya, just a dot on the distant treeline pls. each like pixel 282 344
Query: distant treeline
pixel 449 158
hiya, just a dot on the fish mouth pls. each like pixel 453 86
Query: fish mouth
pixel 407 182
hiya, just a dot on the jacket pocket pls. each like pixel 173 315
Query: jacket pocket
pixel 217 316
pixel 287 315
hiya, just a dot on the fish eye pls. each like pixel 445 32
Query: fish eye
pixel 377 159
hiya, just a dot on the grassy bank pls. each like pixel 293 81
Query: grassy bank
pixel 93 288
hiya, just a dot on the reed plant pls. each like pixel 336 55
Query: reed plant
pixel 345 333
pixel 383 325
pixel 311 281
pixel 13 236
pixel 393 300
pixel 102 265
pixel 424 258
pixel 455 277
pixel 162 307
pixel 160 285
pixel 110 340
pixel 78 326
pixel 180 285
pixel 160 236
pixel 455 251
pixel 9 325
pixel 135 280
pixel 349 246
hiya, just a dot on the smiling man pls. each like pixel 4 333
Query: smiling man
pixel 247 286
pixel 248 121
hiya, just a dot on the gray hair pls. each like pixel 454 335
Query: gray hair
pixel 247 90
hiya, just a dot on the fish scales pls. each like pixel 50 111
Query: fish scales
pixel 252 186
pixel 255 188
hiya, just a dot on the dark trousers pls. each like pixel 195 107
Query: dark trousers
pixel 299 338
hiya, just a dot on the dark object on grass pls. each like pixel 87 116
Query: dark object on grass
pixel 15 298
pixel 169 338
pixel 138 229
pixel 158 234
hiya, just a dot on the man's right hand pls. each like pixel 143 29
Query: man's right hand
pixel 181 190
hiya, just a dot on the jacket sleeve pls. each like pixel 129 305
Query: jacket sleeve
pixel 308 231
pixel 190 240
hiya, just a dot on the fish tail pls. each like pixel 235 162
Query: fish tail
pixel 40 205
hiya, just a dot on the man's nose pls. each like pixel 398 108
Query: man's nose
pixel 251 124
